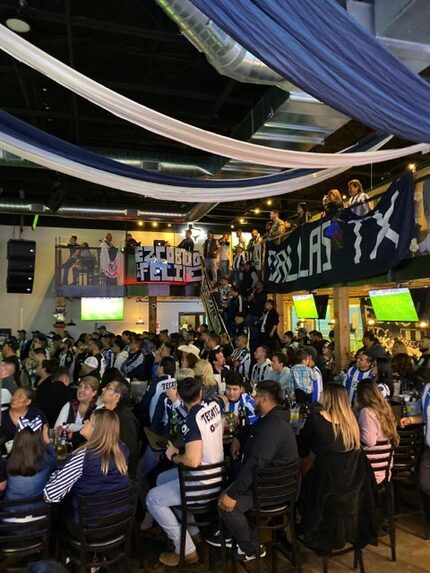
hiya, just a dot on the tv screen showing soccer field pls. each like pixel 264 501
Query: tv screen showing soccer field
pixel 393 304
pixel 105 308
pixel 305 306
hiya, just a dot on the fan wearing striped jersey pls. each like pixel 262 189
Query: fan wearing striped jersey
pixel 355 374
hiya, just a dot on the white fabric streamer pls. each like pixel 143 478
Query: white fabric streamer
pixel 159 191
pixel 174 129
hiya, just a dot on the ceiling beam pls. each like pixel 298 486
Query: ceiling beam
pixel 113 28
pixel 155 90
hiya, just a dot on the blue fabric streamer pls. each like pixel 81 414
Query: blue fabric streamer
pixel 322 49
pixel 17 128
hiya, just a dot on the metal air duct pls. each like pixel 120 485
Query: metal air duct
pixel 69 211
pixel 227 56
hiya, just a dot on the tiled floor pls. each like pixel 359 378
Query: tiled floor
pixel 413 556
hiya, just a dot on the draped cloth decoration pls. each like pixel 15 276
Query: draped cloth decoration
pixel 177 130
pixel 10 125
pixel 69 159
pixel 326 52
pixel 112 269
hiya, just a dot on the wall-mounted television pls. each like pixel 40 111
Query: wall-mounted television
pixel 311 306
pixel 103 308
pixel 393 305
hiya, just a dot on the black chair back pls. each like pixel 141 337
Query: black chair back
pixel 26 536
pixel 107 518
pixel 275 487
pixel 381 459
pixel 200 488
pixel 407 452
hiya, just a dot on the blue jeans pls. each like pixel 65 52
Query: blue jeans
pixel 210 265
pixel 160 501
pixel 224 268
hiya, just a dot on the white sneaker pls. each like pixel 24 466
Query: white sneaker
pixel 147 522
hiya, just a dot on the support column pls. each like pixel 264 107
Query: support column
pixel 152 313
pixel 341 326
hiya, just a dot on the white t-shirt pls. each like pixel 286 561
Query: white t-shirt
pixel 204 422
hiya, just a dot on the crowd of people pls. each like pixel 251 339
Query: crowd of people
pixel 222 258
pixel 199 385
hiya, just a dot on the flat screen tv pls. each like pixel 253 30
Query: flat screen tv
pixel 311 306
pixel 103 308
pixel 305 306
pixel 393 305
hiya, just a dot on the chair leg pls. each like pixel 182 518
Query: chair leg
pixel 296 559
pixel 360 561
pixel 274 551
pixel 391 520
pixel 325 563
pixel 355 563
pixel 257 562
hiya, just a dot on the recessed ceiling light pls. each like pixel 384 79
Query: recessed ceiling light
pixel 18 25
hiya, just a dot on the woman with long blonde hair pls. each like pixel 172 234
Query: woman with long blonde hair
pixel 334 429
pixel 97 467
pixel 203 370
pixel 376 419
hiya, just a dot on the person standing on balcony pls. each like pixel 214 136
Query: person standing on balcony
pixel 187 243
pixel 73 247
pixel 255 251
pixel 278 228
pixel 241 241
pixel 358 199
pixel 224 255
pixel 210 253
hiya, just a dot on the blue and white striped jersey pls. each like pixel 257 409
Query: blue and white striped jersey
pixel 353 377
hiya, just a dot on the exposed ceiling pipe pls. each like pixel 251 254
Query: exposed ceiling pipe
pixel 225 54
pixel 161 163
pixel 68 211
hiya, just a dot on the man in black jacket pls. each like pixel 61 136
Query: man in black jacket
pixel 116 396
pixel 271 442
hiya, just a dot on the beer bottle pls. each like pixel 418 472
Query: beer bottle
pixel 173 432
pixel 243 415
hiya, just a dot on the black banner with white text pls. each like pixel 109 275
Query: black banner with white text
pixel 346 248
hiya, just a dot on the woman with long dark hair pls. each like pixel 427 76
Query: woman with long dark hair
pixel 31 461
pixel 382 373
pixel 376 419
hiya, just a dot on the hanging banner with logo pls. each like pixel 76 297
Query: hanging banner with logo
pixel 347 247
pixel 167 264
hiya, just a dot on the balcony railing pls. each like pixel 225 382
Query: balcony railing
pixel 87 271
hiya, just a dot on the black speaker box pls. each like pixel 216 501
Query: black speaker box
pixel 20 271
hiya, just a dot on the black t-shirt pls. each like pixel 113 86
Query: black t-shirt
pixel 51 397
pixel 8 428
pixel 317 436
